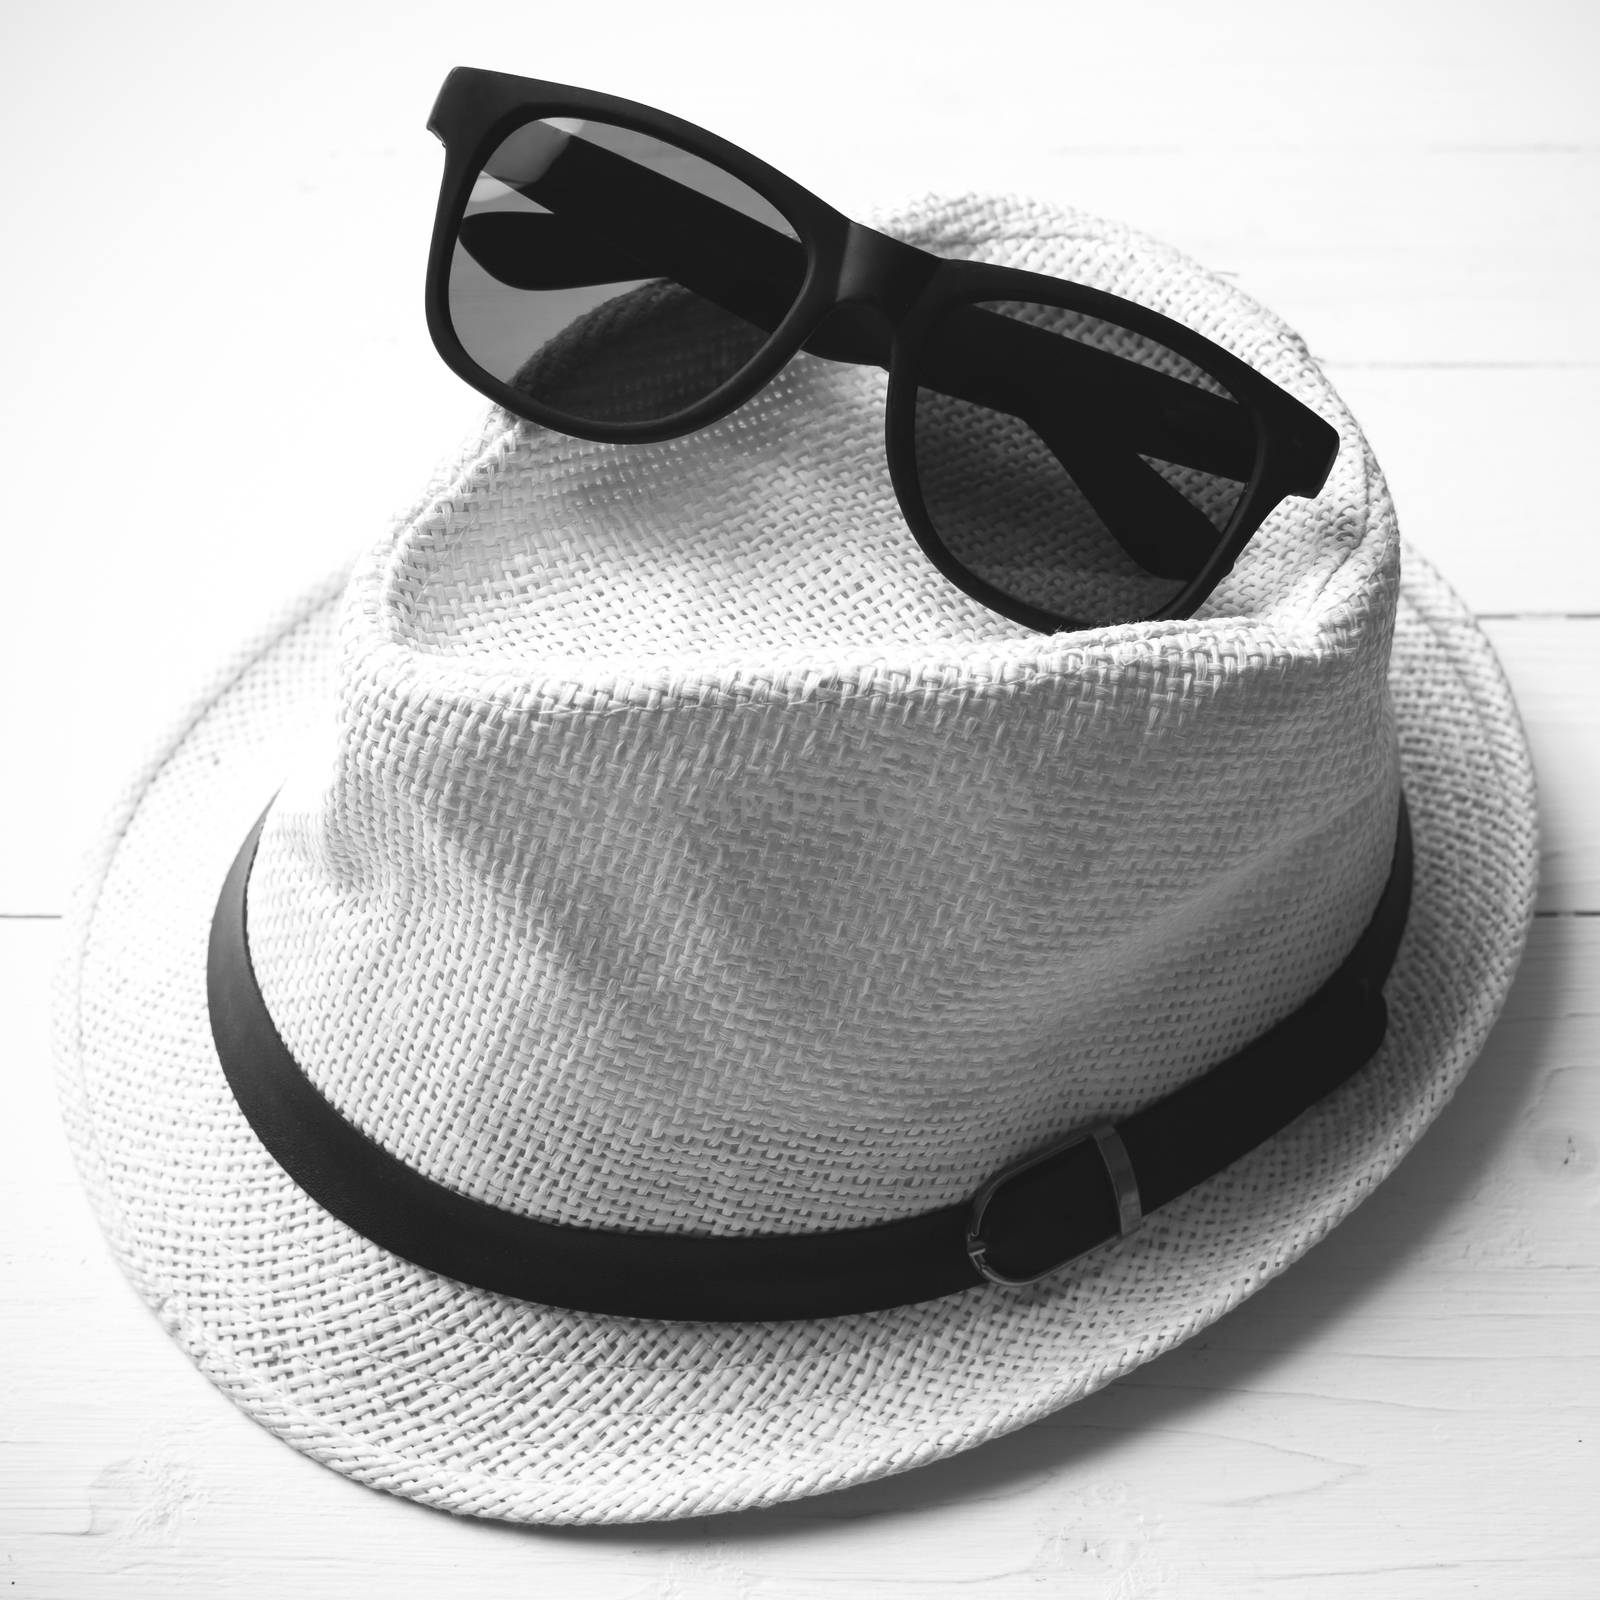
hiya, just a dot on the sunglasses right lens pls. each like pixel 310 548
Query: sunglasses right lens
pixel 613 277
pixel 1074 465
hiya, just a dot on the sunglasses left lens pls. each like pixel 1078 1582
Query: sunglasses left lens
pixel 614 277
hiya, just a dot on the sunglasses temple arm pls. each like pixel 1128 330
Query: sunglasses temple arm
pixel 1155 415
pixel 655 226
pixel 1098 415
pixel 1156 525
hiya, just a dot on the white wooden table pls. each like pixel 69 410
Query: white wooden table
pixel 218 383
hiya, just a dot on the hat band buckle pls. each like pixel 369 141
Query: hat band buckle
pixel 1119 1169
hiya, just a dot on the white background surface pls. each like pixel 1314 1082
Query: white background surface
pixel 218 383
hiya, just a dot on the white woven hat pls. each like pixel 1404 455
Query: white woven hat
pixel 658 843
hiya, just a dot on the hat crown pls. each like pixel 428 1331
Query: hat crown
pixel 686 854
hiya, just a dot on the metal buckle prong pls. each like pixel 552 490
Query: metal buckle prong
pixel 1119 1169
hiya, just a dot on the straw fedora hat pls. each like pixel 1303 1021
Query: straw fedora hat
pixel 561 1030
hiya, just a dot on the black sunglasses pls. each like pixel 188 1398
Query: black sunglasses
pixel 1065 456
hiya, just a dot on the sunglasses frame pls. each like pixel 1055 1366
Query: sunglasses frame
pixel 853 270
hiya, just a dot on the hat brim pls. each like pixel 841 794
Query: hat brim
pixel 477 1403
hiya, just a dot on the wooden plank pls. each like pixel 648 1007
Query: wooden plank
pixel 1479 464
pixel 1553 666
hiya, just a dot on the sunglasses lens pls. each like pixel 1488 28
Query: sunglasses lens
pixel 613 277
pixel 1073 465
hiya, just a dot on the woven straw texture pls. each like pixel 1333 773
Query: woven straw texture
pixel 665 844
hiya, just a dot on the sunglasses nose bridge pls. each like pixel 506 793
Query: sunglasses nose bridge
pixel 886 274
